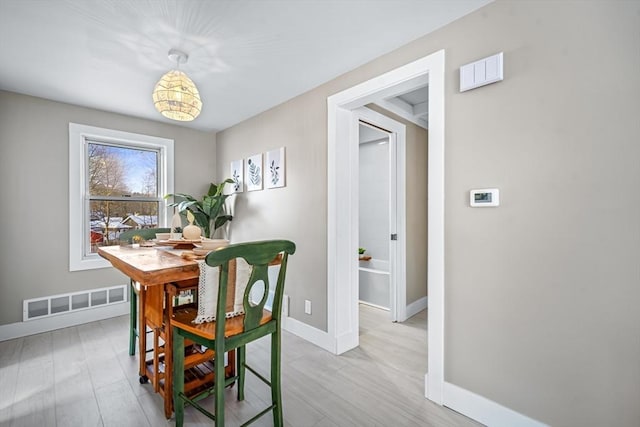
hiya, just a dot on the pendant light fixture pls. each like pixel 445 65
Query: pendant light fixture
pixel 175 95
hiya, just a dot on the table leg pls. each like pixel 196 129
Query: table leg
pixel 133 317
pixel 142 334
pixel 153 318
pixel 168 353
pixel 171 291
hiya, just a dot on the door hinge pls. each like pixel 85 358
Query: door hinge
pixel 394 237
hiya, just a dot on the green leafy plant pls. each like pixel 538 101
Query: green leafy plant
pixel 208 213
pixel 177 229
pixel 361 251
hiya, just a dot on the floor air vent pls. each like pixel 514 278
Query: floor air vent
pixel 37 308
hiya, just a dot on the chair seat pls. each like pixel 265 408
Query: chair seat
pixel 183 319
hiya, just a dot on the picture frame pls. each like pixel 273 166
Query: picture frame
pixel 275 168
pixel 237 175
pixel 254 172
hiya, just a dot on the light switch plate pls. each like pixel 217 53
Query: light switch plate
pixel 482 72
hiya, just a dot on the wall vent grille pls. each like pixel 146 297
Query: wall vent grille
pixel 38 308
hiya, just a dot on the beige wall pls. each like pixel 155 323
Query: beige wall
pixel 34 172
pixel 542 292
pixel 297 211
pixel 416 212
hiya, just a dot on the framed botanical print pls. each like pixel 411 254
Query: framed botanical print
pixel 237 175
pixel 253 175
pixel 275 168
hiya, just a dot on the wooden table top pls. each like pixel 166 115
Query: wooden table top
pixel 150 266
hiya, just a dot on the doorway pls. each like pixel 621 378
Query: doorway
pixel 388 254
pixel 374 227
pixel 342 267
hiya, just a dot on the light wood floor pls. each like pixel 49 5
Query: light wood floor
pixel 83 376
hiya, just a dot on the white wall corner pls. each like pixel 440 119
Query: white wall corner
pixel 309 333
pixel 416 307
pixel 426 385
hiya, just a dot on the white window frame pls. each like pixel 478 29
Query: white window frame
pixel 79 137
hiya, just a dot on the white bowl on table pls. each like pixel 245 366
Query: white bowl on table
pixel 163 236
pixel 212 244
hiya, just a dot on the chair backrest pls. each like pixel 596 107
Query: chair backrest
pixel 145 233
pixel 259 255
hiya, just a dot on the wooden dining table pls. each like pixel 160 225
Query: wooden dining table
pixel 161 273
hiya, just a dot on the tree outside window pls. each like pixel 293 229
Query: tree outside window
pixel 122 186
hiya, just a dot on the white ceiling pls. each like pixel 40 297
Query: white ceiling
pixel 245 56
pixel 412 105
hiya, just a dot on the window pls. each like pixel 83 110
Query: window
pixel 117 181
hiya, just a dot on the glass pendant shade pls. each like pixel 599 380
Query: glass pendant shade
pixel 176 97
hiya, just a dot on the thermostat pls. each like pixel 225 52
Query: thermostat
pixel 484 197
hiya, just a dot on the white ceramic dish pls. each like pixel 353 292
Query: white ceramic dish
pixel 200 251
pixel 212 244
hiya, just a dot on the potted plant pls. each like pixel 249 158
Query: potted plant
pixel 176 233
pixel 209 213
pixel 136 240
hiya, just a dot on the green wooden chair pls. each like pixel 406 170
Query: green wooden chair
pixel 125 237
pixel 226 334
pixel 145 233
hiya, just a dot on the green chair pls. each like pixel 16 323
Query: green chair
pixel 226 334
pixel 145 233
pixel 126 237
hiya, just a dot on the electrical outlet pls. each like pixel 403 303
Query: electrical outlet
pixel 307 306
pixel 285 305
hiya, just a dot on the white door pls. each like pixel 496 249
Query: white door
pixel 396 208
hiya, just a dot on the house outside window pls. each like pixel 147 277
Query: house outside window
pixel 117 181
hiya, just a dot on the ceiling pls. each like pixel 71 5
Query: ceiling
pixel 245 56
pixel 412 105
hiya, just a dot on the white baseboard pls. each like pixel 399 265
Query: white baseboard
pixel 370 304
pixel 484 410
pixel 416 307
pixel 37 326
pixel 309 333
pixel 339 344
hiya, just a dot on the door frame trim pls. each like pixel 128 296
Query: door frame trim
pixel 342 242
